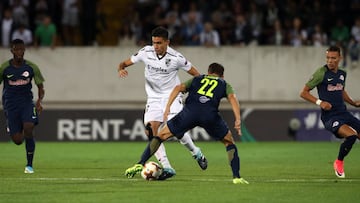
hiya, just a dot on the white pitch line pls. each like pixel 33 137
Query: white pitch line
pixel 182 179
pixel 311 180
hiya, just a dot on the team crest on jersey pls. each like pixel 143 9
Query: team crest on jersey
pixel 167 62
pixel 336 123
pixel 26 74
pixel 341 77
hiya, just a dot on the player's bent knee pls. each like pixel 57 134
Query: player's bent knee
pixel 17 139
pixel 228 139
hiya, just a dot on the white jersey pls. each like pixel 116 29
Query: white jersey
pixel 161 72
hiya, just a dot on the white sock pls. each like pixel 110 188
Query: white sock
pixel 160 155
pixel 188 143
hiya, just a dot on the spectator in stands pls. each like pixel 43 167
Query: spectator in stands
pixel 46 33
pixel 23 33
pixel 276 36
pixel 193 14
pixel 354 44
pixel 272 14
pixel 340 35
pixel 255 19
pixel 191 30
pixel 173 24
pixel 354 52
pixel 318 37
pixel 355 29
pixel 40 10
pixel 70 22
pixel 7 27
pixel 316 14
pixel 209 37
pixel 297 34
pixel 222 20
pixel 20 12
pixel 242 31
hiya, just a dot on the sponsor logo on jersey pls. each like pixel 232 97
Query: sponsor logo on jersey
pixel 9 76
pixel 19 82
pixel 157 69
pixel 203 99
pixel 336 87
pixel 330 79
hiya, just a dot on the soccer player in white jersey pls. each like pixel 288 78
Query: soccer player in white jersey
pixel 161 66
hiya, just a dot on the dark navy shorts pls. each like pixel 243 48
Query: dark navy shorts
pixel 187 119
pixel 15 117
pixel 334 122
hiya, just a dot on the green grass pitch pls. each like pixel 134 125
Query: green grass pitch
pixel 94 172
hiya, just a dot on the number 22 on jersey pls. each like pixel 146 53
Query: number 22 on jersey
pixel 207 87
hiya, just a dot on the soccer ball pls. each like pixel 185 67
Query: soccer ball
pixel 151 171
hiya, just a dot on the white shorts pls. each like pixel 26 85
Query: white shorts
pixel 154 110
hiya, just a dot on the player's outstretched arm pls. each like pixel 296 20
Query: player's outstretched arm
pixel 305 94
pixel 193 71
pixel 121 69
pixel 349 100
pixel 236 110
pixel 41 94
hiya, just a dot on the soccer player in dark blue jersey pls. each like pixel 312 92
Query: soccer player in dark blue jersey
pixel 330 83
pixel 20 111
pixel 201 109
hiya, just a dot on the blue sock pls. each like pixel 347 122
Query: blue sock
pixel 150 149
pixel 30 149
pixel 346 146
pixel 234 160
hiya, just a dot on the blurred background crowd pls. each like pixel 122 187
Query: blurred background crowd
pixel 210 23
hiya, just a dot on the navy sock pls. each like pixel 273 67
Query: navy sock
pixel 346 146
pixel 150 149
pixel 30 149
pixel 234 160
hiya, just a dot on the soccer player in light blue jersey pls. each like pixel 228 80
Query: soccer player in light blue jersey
pixel 20 111
pixel 330 83
pixel 201 109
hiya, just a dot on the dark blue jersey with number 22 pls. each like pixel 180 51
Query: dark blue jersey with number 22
pixel 205 92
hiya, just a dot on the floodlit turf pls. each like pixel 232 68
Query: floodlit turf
pixel 94 172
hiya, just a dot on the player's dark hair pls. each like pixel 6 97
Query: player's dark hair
pixel 334 48
pixel 160 32
pixel 217 69
pixel 16 42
